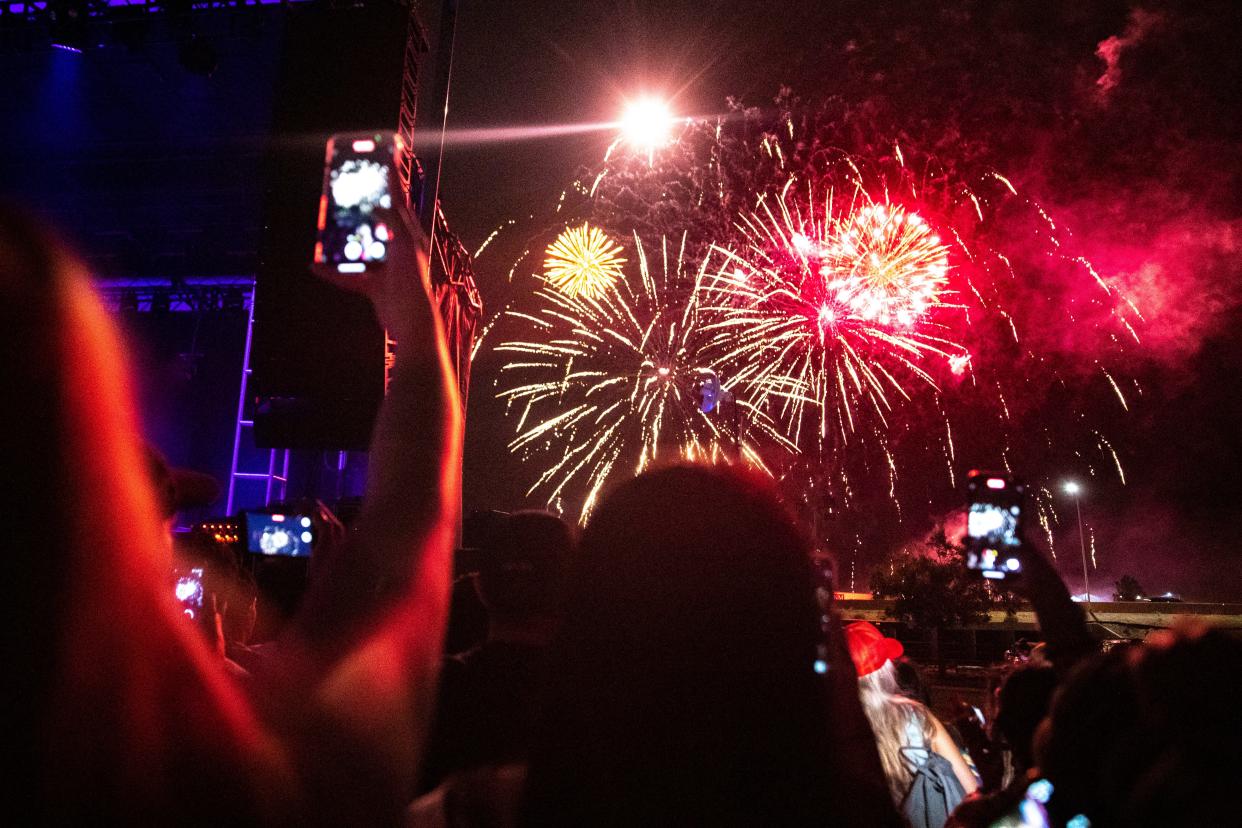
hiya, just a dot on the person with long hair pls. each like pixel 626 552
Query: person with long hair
pixel 684 688
pixel 125 715
pixel 914 746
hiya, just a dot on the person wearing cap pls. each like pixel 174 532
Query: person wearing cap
pixel 177 488
pixel 490 695
pixel 927 775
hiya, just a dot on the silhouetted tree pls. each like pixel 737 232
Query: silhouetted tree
pixel 933 589
pixel 1127 588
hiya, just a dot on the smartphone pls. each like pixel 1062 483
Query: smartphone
pixel 1032 811
pixel 189 592
pixel 359 179
pixel 994 524
pixel 279 533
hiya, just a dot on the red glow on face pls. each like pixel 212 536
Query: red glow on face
pixel 996 483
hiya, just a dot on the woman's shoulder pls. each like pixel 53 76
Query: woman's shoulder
pixel 913 707
pixel 920 722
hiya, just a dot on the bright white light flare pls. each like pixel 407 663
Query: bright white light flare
pixel 647 124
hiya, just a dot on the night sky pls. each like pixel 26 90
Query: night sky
pixel 1122 120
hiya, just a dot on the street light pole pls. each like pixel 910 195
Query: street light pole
pixel 1074 490
pixel 1082 548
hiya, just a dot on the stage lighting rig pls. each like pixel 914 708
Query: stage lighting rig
pixel 68 25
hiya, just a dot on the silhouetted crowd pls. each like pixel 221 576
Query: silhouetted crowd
pixel 671 664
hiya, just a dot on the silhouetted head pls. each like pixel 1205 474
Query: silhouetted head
pixel 85 492
pixel 1147 736
pixel 523 563
pixel 1022 703
pixel 179 488
pixel 684 687
pixel 29 319
pixel 910 681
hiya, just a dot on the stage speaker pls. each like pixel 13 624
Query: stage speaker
pixel 317 354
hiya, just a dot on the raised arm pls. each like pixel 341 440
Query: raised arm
pixel 943 744
pixel 1061 621
pixel 367 642
pixel 401 546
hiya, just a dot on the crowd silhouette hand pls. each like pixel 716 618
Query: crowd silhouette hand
pixel 330 533
pixel 1061 621
pixel 395 284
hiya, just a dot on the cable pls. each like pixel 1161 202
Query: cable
pixel 448 17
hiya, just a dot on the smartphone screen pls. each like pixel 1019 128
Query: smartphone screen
pixel 359 174
pixel 994 524
pixel 276 533
pixel 1032 811
pixel 189 592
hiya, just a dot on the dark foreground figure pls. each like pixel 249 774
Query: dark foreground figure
pixel 692 680
pixel 683 688
pixel 123 714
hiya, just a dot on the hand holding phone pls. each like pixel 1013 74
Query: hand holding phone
pixel 359 188
pixel 994 524
pixel 189 591
pixel 361 209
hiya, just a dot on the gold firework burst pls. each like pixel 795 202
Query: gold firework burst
pixel 604 386
pixel 583 262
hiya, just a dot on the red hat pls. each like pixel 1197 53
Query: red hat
pixel 869 648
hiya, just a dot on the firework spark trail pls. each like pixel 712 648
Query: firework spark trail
pixel 608 381
pixel 823 307
pixel 1116 388
pixel 1104 445
pixel 516 264
pixel 836 369
pixel 491 236
pixel 1046 515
